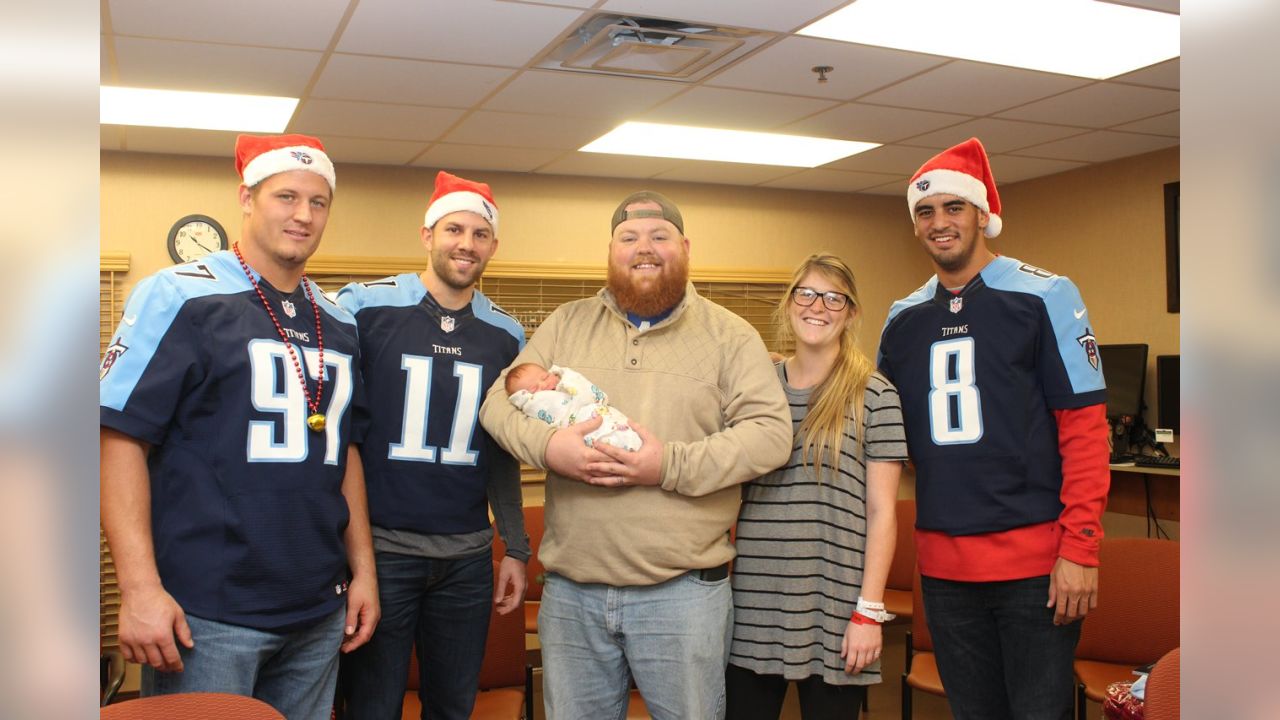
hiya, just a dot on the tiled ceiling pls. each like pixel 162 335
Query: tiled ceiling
pixel 454 84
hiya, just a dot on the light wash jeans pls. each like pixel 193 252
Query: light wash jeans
pixel 672 638
pixel 295 673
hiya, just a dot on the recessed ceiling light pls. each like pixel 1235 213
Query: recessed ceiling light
pixel 196 110
pixel 1073 37
pixel 699 143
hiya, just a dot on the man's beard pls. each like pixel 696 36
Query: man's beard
pixel 649 297
pixel 452 277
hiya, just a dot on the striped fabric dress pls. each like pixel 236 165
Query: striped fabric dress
pixel 800 550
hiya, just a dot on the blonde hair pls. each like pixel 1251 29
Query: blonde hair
pixel 837 401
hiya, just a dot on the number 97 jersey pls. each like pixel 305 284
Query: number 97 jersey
pixel 427 460
pixel 979 373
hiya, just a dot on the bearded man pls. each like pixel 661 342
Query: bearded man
pixel 636 544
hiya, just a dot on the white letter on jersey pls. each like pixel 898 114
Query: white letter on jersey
pixel 417 389
pixel 964 426
pixel 266 357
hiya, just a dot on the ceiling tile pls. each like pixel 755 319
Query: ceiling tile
pixel 996 135
pixel 780 16
pixel 1099 105
pixel 603 165
pixel 548 92
pixel 897 187
pixel 206 67
pixel 528 131
pixel 106 71
pixel 723 173
pixel 1167 124
pixel 832 181
pixel 1010 169
pixel 892 159
pixel 1169 6
pixel 180 141
pixel 972 88
pixel 786 67
pixel 411 82
pixel 300 24
pixel 372 120
pixel 734 109
pixel 1167 74
pixel 483 32
pixel 483 157
pixel 1098 146
pixel 374 152
pixel 871 123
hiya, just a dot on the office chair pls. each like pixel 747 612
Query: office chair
pixel 534 571
pixel 897 588
pixel 922 665
pixel 1136 621
pixel 1164 697
pixel 191 706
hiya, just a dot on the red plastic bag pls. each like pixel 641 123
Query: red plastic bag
pixel 1120 704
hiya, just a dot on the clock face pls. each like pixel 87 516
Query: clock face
pixel 195 236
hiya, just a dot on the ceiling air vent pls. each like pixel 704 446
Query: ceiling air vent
pixel 650 48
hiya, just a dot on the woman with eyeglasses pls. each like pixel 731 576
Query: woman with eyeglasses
pixel 815 537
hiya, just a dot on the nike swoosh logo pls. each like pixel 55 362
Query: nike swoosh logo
pixel 131 320
pixel 1078 313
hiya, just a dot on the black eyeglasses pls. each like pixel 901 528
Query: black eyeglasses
pixel 834 301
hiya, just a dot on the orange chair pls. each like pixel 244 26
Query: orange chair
pixel 922 665
pixel 1136 621
pixel 897 589
pixel 535 572
pixel 1163 700
pixel 506 680
pixel 191 706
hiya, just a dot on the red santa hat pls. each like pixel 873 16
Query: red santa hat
pixel 258 157
pixel 962 171
pixel 454 194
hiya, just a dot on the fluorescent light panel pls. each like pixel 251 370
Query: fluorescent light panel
pixel 699 143
pixel 1072 37
pixel 195 110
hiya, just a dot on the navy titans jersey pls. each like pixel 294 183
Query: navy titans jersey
pixel 247 512
pixel 427 369
pixel 979 374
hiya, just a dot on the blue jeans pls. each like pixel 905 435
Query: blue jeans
pixel 293 672
pixel 443 607
pixel 672 638
pixel 999 653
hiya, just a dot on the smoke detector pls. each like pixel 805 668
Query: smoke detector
pixel 650 48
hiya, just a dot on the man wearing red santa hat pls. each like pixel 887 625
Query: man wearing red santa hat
pixel 1003 401
pixel 232 493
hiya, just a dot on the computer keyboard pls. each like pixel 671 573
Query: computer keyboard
pixel 1121 459
pixel 1159 462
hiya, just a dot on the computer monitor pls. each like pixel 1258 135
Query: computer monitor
pixel 1167 388
pixel 1125 369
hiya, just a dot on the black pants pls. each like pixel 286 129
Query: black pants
pixel 759 697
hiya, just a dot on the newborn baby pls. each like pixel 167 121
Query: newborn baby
pixel 563 397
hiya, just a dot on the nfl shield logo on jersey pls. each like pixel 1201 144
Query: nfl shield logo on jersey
pixel 447 323
pixel 957 304
pixel 1090 345
pixel 289 309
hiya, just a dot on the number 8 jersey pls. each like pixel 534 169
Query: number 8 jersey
pixel 246 503
pixel 427 460
pixel 979 373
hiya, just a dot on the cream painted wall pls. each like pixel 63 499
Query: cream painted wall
pixel 378 211
pixel 1103 226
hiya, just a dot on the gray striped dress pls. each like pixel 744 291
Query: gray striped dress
pixel 800 550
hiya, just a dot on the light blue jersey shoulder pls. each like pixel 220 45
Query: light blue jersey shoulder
pixel 1067 314
pixel 403 290
pixel 921 295
pixel 488 311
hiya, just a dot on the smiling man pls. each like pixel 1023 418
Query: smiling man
pixel 1003 400
pixel 232 498
pixel 432 344
pixel 637 543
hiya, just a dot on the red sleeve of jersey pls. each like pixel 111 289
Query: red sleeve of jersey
pixel 1086 478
